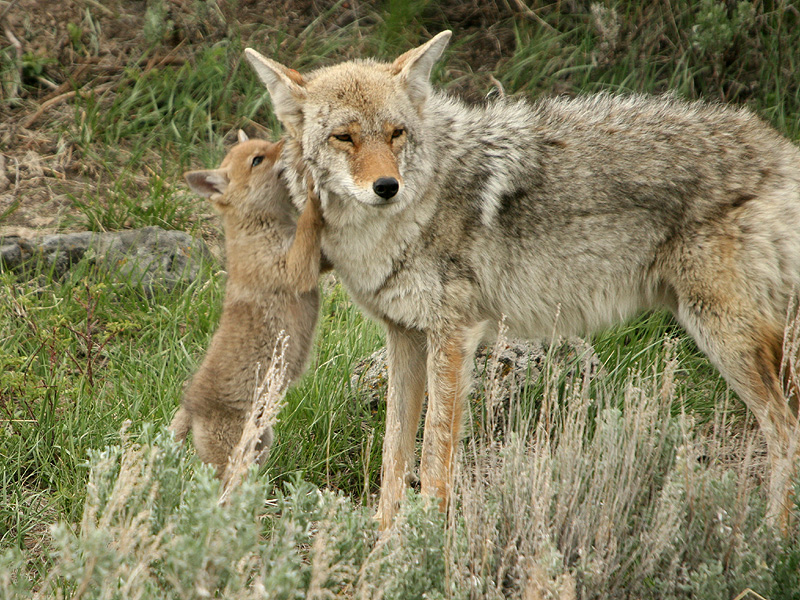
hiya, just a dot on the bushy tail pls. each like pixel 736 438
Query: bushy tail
pixel 181 423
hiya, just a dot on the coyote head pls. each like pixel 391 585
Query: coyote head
pixel 359 123
pixel 247 182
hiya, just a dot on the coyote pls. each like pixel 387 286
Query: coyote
pixel 273 266
pixel 560 216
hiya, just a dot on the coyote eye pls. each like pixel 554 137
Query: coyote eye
pixel 257 160
pixel 343 137
pixel 398 132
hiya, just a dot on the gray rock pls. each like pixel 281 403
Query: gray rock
pixel 146 256
pixel 14 251
pixel 61 252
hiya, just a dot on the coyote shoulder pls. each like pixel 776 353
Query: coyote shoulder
pixel 560 215
pixel 273 266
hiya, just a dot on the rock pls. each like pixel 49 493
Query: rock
pixel 61 252
pixel 370 377
pixel 503 370
pixel 146 256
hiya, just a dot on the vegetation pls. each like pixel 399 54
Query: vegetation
pixel 639 479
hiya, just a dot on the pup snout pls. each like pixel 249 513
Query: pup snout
pixel 385 187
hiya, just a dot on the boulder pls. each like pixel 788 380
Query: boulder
pixel 145 257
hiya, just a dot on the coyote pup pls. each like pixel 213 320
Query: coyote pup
pixel 273 266
pixel 563 215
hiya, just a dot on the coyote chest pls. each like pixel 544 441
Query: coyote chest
pixel 381 265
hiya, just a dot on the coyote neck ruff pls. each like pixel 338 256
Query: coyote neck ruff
pixel 562 215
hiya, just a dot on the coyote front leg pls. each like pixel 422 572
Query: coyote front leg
pixel 406 349
pixel 449 371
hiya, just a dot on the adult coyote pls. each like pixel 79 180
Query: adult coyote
pixel 561 215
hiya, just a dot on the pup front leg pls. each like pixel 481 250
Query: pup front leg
pixel 449 372
pixel 406 350
pixel 304 257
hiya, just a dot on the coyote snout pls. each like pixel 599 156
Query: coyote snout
pixel 373 163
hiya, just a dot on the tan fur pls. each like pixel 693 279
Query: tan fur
pixel 273 265
pixel 371 156
pixel 372 160
pixel 560 216
pixel 445 413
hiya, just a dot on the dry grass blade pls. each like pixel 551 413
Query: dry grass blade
pixel 30 120
pixel 98 5
pixel 749 592
pixel 531 15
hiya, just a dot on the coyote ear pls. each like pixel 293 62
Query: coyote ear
pixel 242 136
pixel 207 183
pixel 285 87
pixel 415 66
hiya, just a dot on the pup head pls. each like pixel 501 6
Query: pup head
pixel 359 123
pixel 247 181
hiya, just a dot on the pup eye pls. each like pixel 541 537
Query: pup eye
pixel 343 137
pixel 398 132
pixel 257 160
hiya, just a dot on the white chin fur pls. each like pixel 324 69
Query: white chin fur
pixel 370 198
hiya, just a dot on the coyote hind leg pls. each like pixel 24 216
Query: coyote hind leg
pixel 747 348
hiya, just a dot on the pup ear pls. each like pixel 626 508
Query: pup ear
pixel 207 183
pixel 285 86
pixel 242 136
pixel 415 66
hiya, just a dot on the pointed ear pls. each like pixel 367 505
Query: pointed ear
pixel 415 66
pixel 286 87
pixel 242 136
pixel 207 183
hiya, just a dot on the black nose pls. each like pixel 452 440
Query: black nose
pixel 386 187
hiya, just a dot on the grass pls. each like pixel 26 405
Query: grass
pixel 647 505
pixel 333 427
pixel 614 495
pixel 130 204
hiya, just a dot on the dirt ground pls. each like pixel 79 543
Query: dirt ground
pixel 40 169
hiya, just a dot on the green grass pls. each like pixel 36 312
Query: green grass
pixel 639 345
pixel 131 204
pixel 331 426
pixel 79 357
pixel 83 354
